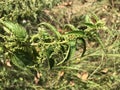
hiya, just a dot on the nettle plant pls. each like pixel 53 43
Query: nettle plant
pixel 45 48
pixel 25 10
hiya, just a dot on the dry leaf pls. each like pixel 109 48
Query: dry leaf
pixel 47 11
pixel 39 74
pixel 61 31
pixel 84 76
pixel 72 83
pixel 105 70
pixel 61 6
pixel 79 75
pixel 36 80
pixel 68 3
pixel 8 63
pixel 61 73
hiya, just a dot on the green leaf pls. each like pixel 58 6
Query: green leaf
pixel 52 28
pixel 17 62
pixel 18 31
pixel 80 33
pixel 87 19
pixel 66 56
pixel 84 45
pixel 72 44
pixel 70 52
pixel 89 25
pixel 1 49
pixel 71 27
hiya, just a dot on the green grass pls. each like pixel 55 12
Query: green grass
pixel 34 60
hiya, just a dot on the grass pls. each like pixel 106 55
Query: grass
pixel 98 69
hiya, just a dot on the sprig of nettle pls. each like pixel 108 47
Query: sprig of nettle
pixel 46 48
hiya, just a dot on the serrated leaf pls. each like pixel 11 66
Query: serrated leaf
pixel 80 33
pixel 17 62
pixel 18 31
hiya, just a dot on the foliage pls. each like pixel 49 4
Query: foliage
pixel 25 10
pixel 46 48
pixel 81 55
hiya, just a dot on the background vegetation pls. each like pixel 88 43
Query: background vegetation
pixel 60 45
